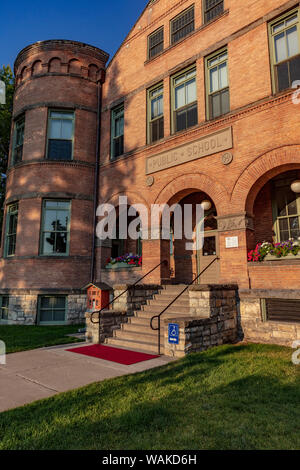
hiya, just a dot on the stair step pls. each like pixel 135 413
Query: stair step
pixel 150 348
pixel 165 302
pixel 171 312
pixel 160 307
pixel 141 328
pixel 150 336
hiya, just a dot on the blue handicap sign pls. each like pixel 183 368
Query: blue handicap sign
pixel 173 333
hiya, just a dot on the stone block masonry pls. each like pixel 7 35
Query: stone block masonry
pixel 110 320
pixel 23 307
pixel 213 320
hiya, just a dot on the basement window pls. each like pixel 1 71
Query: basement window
pixel 52 309
pixel 4 302
pixel 281 310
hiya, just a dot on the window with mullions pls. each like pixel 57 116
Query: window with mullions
pixel 212 9
pixel 117 132
pixel 185 113
pixel 55 228
pixel 11 230
pixel 18 140
pixel 182 25
pixel 155 114
pixel 52 309
pixel 60 135
pixel 156 43
pixel 218 85
pixel 4 302
pixel 285 51
pixel 286 211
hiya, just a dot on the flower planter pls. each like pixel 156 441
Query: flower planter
pixel 121 265
pixel 289 256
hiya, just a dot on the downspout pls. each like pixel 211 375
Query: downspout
pixel 97 173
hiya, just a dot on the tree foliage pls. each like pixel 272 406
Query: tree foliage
pixel 6 75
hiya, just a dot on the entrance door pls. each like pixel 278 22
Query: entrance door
pixel 209 251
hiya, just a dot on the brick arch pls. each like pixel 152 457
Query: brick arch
pixel 54 65
pixel 74 66
pixel 93 71
pixel 259 172
pixel 186 184
pixel 133 198
pixel 36 67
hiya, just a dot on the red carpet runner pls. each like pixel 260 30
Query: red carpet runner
pixel 121 356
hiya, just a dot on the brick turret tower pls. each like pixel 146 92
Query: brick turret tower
pixel 49 208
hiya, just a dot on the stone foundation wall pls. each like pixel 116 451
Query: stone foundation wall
pixel 213 321
pixel 23 307
pixel 257 330
pixel 134 298
pixel 110 320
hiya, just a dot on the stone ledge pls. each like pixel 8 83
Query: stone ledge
pixel 137 286
pixel 213 287
pixel 293 294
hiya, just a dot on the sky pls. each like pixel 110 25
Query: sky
pixel 102 23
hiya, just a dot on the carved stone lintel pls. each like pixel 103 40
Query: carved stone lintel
pixel 233 222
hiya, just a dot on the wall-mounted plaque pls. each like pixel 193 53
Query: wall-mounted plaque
pixel 232 242
pixel 208 145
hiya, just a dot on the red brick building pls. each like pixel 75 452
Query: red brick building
pixel 198 104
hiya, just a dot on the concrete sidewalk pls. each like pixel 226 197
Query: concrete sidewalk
pixel 41 373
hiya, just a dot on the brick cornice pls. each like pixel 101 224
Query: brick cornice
pixel 49 194
pixel 55 74
pixel 46 162
pixel 54 104
pixel 60 44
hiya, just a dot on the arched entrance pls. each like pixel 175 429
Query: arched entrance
pixel 188 257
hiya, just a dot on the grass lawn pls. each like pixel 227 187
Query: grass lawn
pixel 22 338
pixel 230 397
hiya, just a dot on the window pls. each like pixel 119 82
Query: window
pixel 4 302
pixel 55 228
pixel 11 229
pixel 184 91
pixel 60 135
pixel 182 25
pixel 18 140
pixel 217 85
pixel 212 9
pixel 117 132
pixel 286 211
pixel 156 43
pixel 285 51
pixel 280 310
pixel 155 113
pixel 52 309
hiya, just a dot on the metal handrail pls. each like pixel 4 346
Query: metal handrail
pixel 165 262
pixel 174 300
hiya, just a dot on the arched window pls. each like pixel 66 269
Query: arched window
pixel 286 208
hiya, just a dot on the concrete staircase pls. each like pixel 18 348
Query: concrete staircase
pixel 137 333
